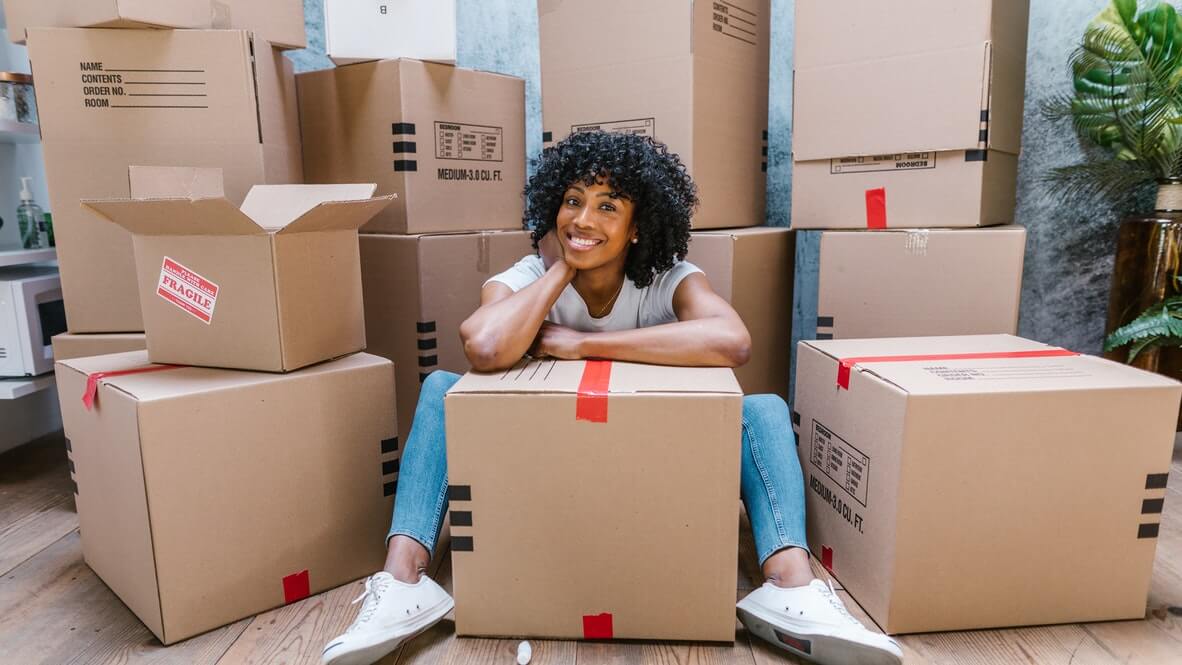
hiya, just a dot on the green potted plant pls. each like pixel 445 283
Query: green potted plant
pixel 1126 107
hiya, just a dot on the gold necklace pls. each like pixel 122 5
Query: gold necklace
pixel 609 303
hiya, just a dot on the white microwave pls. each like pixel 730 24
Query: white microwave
pixel 31 313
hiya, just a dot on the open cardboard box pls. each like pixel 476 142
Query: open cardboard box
pixel 275 285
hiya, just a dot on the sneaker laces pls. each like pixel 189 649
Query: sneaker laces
pixel 830 594
pixel 372 596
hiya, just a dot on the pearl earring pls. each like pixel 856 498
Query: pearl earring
pixel 635 240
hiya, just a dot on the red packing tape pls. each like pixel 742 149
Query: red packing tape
pixel 876 208
pixel 92 380
pixel 296 587
pixel 827 558
pixel 597 626
pixel 844 365
pixel 591 403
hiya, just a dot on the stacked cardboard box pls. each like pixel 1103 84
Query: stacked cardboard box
pixel 450 142
pixel 274 285
pixel 904 163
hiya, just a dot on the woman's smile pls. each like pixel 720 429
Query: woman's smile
pixel 579 242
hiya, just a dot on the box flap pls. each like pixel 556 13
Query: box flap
pixel 926 366
pixel 175 182
pixel 214 216
pixel 339 215
pixel 882 106
pixel 566 376
pixel 275 206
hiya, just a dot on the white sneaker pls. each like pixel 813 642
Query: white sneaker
pixel 393 612
pixel 811 622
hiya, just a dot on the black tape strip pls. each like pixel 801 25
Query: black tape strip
pixel 765 151
pixel 74 486
pixel 983 135
pixel 389 466
pixel 425 326
pixel 1147 530
pixel 461 518
pixel 389 445
pixel 822 335
pixel 765 135
pixel 459 492
pixel 1152 506
pixel 1156 481
pixel 428 361
pixel 796 418
pixel 984 115
pixel 71 465
pixel 390 488
pixel 423 376
pixel 402 128
pixel 428 344
pixel 824 321
pixel 976 155
pixel 763 167
pixel 461 543
pixel 68 447
pixel 406 165
pixel 404 146
pixel 547 137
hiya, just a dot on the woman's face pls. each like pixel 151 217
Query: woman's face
pixel 594 225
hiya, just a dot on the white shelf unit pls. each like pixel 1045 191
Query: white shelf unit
pixel 18 388
pixel 19 132
pixel 18 257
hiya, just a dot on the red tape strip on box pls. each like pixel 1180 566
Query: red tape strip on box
pixel 591 403
pixel 827 558
pixel 845 365
pixel 92 380
pixel 597 626
pixel 296 587
pixel 876 208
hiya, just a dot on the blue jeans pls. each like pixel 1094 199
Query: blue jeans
pixel 770 480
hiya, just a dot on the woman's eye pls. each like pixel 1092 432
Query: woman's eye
pixel 572 201
pixel 608 207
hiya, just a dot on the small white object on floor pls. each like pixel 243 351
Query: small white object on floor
pixel 524 653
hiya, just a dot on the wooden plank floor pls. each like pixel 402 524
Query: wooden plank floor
pixel 53 609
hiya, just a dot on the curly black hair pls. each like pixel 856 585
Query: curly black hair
pixel 640 169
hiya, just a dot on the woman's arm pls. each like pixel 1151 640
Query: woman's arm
pixel 502 329
pixel 708 333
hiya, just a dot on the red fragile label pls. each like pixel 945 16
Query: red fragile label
pixel 90 394
pixel 597 626
pixel 295 587
pixel 876 208
pixel 187 290
pixel 827 558
pixel 844 365
pixel 591 403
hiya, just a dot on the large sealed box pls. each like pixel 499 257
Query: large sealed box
pixel 356 31
pixel 588 446
pixel 209 98
pixel 449 141
pixel 982 481
pixel 72 345
pixel 205 496
pixel 279 21
pixel 693 75
pixel 418 290
pixel 919 130
pixel 752 269
pixel 905 283
pixel 275 285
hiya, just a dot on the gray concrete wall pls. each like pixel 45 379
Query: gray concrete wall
pixel 1069 250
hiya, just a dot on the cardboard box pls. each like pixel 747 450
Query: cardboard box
pixel 92 130
pixel 71 345
pixel 904 283
pixel 941 490
pixel 449 141
pixel 590 466
pixel 388 29
pixel 752 269
pixel 921 130
pixel 274 286
pixel 205 496
pixel 279 21
pixel 691 75
pixel 418 290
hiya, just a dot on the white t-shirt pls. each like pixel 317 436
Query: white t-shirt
pixel 634 308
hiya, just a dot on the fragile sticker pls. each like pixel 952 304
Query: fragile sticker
pixel 187 290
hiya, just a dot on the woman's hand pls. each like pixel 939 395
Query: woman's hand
pixel 555 341
pixel 551 249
